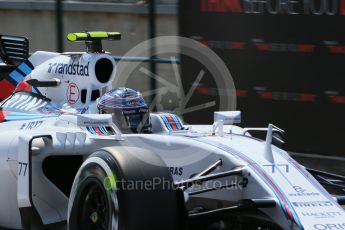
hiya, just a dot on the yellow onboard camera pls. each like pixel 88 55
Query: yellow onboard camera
pixel 93 39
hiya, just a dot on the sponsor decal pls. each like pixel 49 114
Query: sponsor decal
pixel 312 204
pixel 24 102
pixel 176 171
pixel 98 130
pixel 321 214
pixel 329 226
pixel 299 189
pixel 171 121
pixel 69 69
pixel 95 122
pixel 73 93
pixel 31 125
pixel 302 192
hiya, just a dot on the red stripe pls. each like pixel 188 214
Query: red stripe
pixel 306 174
pixel 342 7
pixel 241 93
pixel 3 115
pixel 98 131
pixel 266 95
pixel 269 181
pixel 24 86
pixel 337 99
pixel 277 190
pixel 253 164
pixel 336 49
pixel 237 45
pixel 202 43
pixel 307 97
pixel 6 89
pixel 202 90
pixel 171 122
pixel 263 46
pixel 305 48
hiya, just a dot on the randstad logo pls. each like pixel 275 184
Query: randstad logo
pixel 69 69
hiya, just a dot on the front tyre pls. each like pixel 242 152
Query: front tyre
pixel 114 189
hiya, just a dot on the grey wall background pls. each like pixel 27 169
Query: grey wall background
pixel 35 19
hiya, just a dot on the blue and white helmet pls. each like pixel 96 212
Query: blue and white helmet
pixel 129 109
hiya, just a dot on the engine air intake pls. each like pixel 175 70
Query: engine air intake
pixel 103 70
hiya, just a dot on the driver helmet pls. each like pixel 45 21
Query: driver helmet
pixel 128 108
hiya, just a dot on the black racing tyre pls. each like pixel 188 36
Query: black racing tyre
pixel 114 189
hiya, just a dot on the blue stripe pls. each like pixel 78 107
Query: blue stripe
pixel 104 130
pixel 89 128
pixel 167 124
pixel 35 90
pixel 25 68
pixel 303 172
pixel 177 121
pixel 31 114
pixel 244 157
pixel 16 117
pixel 92 130
pixel 16 76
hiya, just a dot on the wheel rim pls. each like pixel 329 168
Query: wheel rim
pixel 95 209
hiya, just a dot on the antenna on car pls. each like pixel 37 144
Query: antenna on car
pixel 93 39
pixel 269 138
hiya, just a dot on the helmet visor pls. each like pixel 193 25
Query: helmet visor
pixel 132 120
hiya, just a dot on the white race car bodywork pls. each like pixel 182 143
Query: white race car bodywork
pixel 267 172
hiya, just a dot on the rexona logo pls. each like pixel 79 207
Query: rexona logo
pixel 329 226
pixel 69 69
pixel 292 7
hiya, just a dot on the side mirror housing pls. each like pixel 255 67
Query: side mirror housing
pixel 228 117
pixel 225 118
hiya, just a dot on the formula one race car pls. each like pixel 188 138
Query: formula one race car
pixel 63 162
